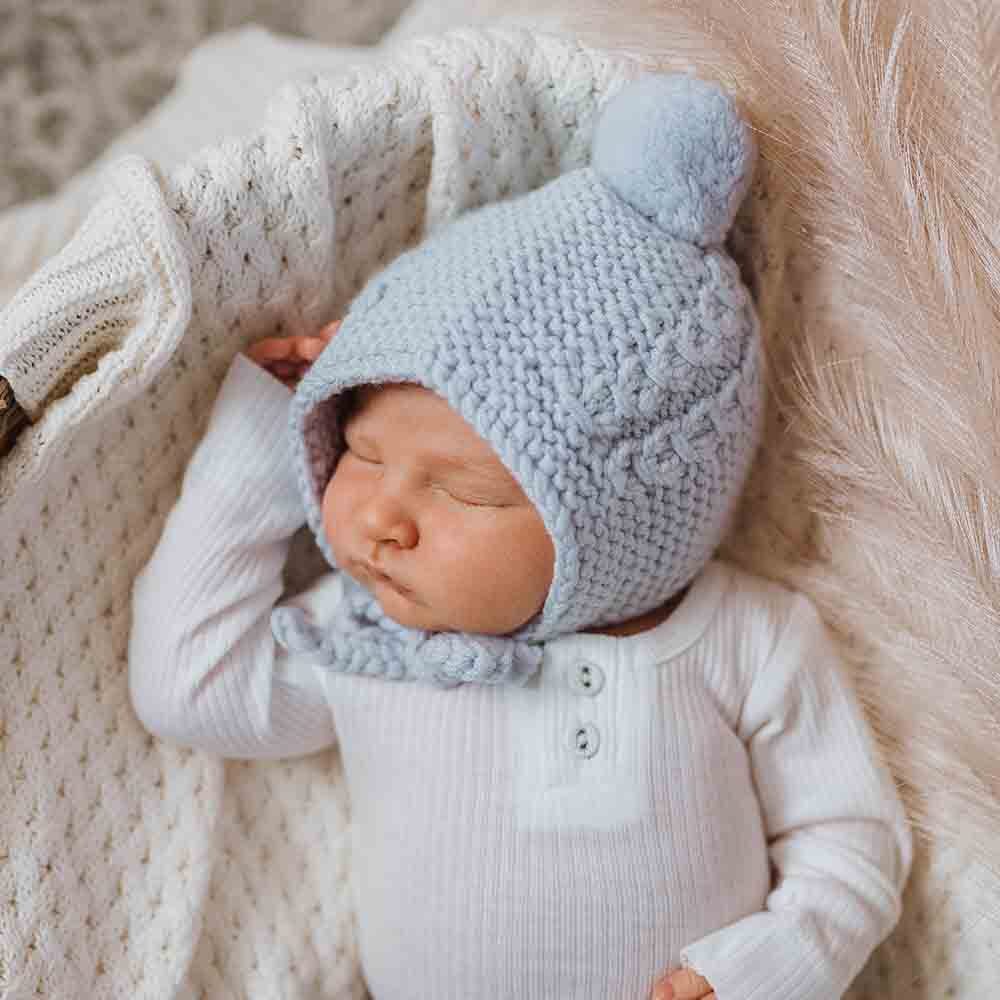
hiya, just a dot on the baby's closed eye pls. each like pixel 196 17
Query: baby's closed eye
pixel 469 498
pixel 469 494
pixel 369 457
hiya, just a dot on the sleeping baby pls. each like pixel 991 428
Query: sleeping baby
pixel 587 759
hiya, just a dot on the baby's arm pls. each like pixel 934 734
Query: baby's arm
pixel 838 836
pixel 204 668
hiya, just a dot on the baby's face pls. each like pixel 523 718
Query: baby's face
pixel 419 497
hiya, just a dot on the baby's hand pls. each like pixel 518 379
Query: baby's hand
pixel 288 358
pixel 683 984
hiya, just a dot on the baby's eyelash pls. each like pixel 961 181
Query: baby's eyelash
pixel 358 455
pixel 466 501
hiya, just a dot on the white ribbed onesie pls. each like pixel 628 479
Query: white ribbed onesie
pixel 705 791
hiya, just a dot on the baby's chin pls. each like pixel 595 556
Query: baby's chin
pixel 403 608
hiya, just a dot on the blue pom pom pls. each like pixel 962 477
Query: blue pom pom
pixel 678 151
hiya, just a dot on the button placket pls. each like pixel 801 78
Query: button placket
pixel 579 758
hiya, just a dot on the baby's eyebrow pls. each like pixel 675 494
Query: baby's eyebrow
pixel 492 474
pixel 474 472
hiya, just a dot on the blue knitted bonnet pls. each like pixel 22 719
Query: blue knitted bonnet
pixel 596 333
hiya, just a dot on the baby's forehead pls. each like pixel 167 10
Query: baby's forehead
pixel 395 406
pixel 362 398
pixel 411 416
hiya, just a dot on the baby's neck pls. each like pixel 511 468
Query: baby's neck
pixel 644 622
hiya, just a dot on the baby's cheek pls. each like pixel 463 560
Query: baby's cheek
pixel 466 558
pixel 452 548
pixel 500 572
pixel 334 512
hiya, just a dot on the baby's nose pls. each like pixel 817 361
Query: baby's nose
pixel 386 519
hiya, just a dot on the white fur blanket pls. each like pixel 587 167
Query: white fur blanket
pixel 133 868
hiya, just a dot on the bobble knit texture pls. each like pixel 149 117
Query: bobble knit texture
pixel 598 335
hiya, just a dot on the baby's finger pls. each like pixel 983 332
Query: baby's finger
pixel 311 348
pixel 269 349
pixel 688 985
pixel 330 329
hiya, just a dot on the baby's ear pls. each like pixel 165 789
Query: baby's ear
pixel 678 151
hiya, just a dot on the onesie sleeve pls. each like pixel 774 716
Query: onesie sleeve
pixel 838 837
pixel 204 668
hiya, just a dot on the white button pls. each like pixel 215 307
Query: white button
pixel 584 739
pixel 585 678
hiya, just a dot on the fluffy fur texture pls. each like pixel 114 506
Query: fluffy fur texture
pixel 881 140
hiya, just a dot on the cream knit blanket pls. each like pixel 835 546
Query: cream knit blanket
pixel 131 867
